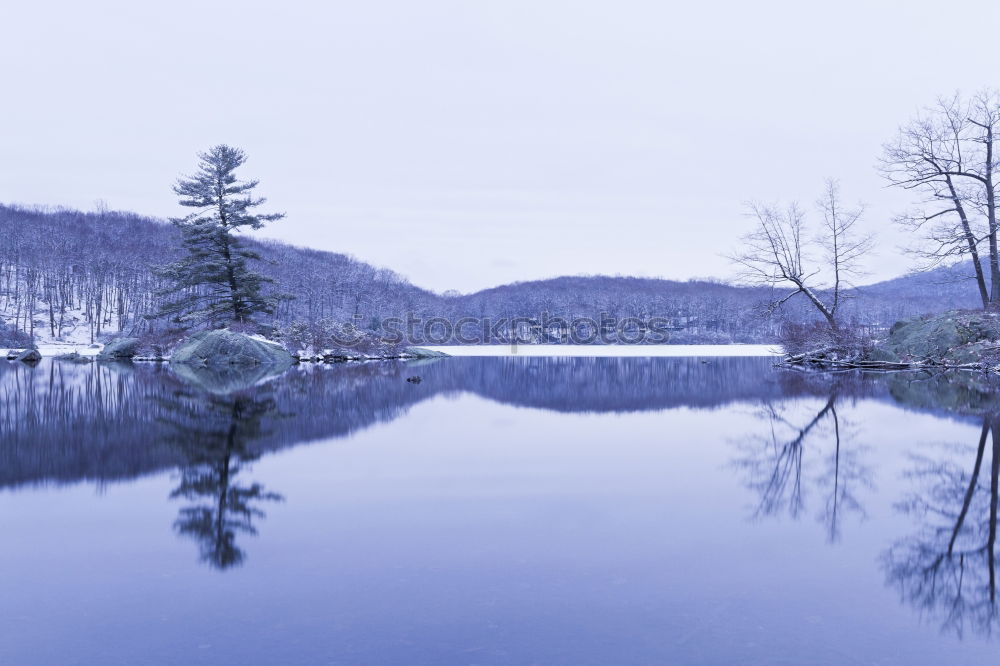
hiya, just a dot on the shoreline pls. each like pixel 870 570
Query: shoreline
pixel 522 349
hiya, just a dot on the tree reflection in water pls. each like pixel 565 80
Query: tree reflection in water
pixel 804 459
pixel 947 569
pixel 215 433
pixel 778 465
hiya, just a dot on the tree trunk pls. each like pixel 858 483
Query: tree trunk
pixel 991 213
pixel 970 239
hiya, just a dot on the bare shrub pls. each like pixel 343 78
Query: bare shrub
pixel 158 343
pixel 13 337
pixel 817 337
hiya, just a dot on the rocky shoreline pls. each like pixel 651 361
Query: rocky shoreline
pixel 222 348
pixel 956 340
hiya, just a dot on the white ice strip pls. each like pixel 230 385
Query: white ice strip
pixel 607 350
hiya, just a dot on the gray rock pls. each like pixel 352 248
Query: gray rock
pixel 340 354
pixel 29 356
pixel 224 348
pixel 954 337
pixel 883 355
pixel 73 357
pixel 119 349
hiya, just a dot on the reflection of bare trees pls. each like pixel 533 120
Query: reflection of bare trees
pixel 841 474
pixel 215 433
pixel 794 455
pixel 947 569
pixel 43 411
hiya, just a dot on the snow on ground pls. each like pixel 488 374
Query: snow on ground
pixel 57 348
pixel 607 350
pixel 75 335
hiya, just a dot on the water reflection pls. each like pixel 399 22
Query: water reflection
pixel 124 409
pixel 947 568
pixel 214 433
pixel 63 423
pixel 776 463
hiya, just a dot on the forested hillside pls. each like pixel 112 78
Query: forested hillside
pixel 67 274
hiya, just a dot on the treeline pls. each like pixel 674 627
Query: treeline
pixel 63 272
pixel 63 269
pixel 66 274
pixel 707 311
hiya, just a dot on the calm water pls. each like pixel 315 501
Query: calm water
pixel 502 511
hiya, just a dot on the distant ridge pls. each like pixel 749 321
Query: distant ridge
pixel 85 262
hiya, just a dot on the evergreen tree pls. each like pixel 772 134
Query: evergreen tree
pixel 214 282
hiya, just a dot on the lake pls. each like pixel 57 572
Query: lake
pixel 506 510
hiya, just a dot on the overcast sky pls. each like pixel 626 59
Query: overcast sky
pixel 476 142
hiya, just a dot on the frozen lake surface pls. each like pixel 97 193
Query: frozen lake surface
pixel 549 510
pixel 608 350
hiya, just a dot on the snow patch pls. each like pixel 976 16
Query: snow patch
pixel 608 350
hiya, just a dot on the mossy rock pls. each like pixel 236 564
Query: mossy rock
pixel 970 353
pixel 883 355
pixel 953 336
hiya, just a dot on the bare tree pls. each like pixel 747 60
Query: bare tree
pixel 781 252
pixel 843 246
pixel 946 155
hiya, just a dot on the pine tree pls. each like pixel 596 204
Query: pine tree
pixel 213 282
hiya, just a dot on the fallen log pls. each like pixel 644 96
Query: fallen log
pixel 862 364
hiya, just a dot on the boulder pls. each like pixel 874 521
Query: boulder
pixel 29 356
pixel 119 349
pixel 883 355
pixel 222 347
pixel 339 354
pixel 954 337
pixel 73 357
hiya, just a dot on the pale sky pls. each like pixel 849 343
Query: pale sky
pixel 470 143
